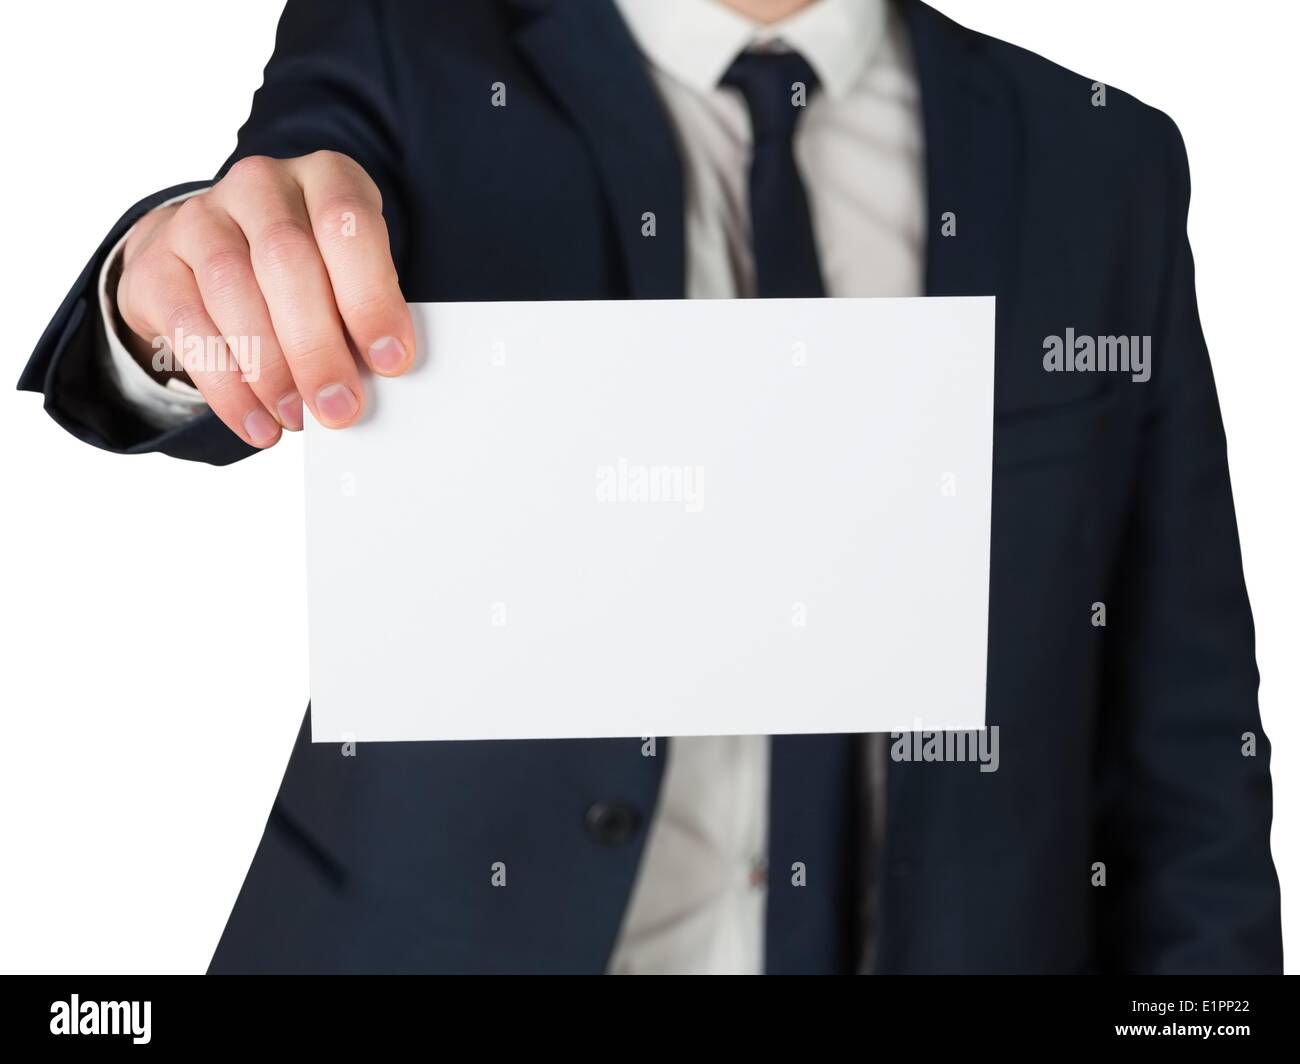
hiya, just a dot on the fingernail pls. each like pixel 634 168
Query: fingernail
pixel 261 427
pixel 290 410
pixel 387 354
pixel 335 402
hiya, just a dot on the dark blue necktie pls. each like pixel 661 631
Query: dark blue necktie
pixel 776 86
pixel 813 884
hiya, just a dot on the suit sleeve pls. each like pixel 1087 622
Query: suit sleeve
pixel 328 86
pixel 1185 788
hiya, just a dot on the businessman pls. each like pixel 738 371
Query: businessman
pixel 598 149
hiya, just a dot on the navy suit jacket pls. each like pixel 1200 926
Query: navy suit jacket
pixel 1120 744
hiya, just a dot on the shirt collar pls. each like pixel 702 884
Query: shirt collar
pixel 695 41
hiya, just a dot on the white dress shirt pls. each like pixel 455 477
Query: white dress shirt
pixel 698 903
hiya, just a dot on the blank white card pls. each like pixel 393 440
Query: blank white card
pixel 657 518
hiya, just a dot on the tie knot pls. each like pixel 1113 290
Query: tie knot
pixel 776 87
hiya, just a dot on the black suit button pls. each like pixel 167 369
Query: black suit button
pixel 613 822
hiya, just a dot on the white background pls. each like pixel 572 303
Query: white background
pixel 145 598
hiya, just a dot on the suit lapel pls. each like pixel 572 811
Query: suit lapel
pixel 973 158
pixel 584 54
pixel 974 169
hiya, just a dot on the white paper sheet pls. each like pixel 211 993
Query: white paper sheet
pixel 642 518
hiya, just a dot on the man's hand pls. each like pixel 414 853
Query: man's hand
pixel 289 260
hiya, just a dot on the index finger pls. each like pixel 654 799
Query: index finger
pixel 345 209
